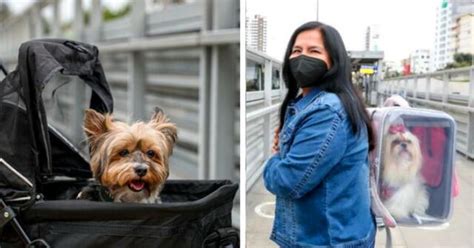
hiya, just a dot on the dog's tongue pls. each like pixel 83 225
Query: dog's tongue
pixel 137 185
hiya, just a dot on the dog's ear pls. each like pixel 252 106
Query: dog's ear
pixel 161 123
pixel 96 124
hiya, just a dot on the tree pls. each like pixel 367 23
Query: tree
pixel 108 14
pixel 460 60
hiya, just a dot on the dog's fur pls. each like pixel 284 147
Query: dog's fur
pixel 131 162
pixel 401 175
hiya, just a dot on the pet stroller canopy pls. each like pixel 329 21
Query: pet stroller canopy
pixel 29 149
pixel 34 158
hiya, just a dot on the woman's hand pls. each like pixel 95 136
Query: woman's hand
pixel 276 141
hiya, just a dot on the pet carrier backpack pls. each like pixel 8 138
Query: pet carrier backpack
pixel 412 166
pixel 41 171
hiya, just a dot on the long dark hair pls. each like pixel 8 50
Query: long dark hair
pixel 337 80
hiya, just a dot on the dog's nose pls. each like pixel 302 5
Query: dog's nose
pixel 403 145
pixel 140 170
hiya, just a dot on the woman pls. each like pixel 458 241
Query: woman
pixel 319 170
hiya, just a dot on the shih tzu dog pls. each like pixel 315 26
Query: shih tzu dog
pixel 402 190
pixel 129 163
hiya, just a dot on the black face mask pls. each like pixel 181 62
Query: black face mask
pixel 307 71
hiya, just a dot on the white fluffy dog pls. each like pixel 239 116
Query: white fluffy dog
pixel 403 191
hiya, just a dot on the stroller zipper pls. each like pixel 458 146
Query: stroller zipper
pixel 23 178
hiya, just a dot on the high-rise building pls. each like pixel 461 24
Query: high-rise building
pixel 445 38
pixel 463 36
pixel 372 38
pixel 420 61
pixel 256 36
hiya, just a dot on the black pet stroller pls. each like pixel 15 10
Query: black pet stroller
pixel 41 172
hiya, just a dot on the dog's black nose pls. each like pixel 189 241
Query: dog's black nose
pixel 404 145
pixel 140 170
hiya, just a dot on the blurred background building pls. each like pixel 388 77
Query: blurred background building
pixel 463 33
pixel 453 31
pixel 372 38
pixel 256 34
pixel 420 61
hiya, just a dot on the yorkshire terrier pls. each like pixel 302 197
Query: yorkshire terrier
pixel 130 163
pixel 402 190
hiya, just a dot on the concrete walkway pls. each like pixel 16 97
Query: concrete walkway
pixel 459 233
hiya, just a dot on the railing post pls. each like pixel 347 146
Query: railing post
pixel 415 87
pixel 267 127
pixel 399 86
pixel 96 20
pixel 223 95
pixel 445 87
pixel 79 87
pixel 204 95
pixel 136 66
pixel 405 90
pixel 78 24
pixel 137 19
pixel 37 23
pixel 204 102
pixel 428 88
pixel 470 127
pixel 56 29
pixel 381 90
pixel 470 135
pixel 471 87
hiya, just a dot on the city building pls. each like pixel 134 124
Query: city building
pixel 256 35
pixel 372 38
pixel 463 34
pixel 420 61
pixel 447 15
pixel 391 68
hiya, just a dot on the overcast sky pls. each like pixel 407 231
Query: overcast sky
pixel 404 25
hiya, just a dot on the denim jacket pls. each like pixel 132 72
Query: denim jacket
pixel 320 177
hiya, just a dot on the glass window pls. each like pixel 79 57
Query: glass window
pixel 275 79
pixel 254 76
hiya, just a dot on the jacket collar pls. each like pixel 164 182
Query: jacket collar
pixel 301 102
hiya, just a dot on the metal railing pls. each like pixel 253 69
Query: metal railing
pixel 183 58
pixel 265 91
pixel 451 91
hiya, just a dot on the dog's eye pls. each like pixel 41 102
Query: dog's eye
pixel 150 153
pixel 124 152
pixel 396 142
